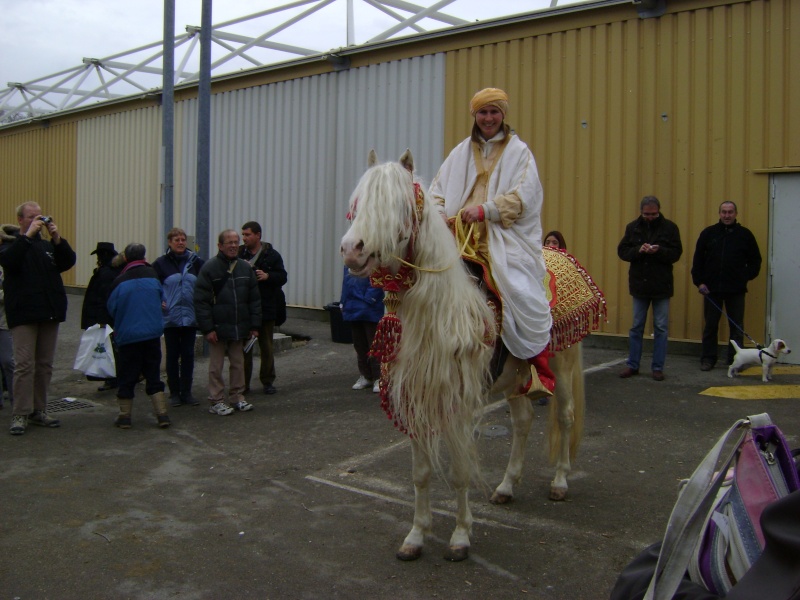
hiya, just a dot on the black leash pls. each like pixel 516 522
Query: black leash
pixel 732 322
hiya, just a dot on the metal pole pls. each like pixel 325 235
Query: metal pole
pixel 168 117
pixel 204 134
pixel 351 27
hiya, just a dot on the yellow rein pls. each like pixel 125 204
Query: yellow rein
pixel 462 237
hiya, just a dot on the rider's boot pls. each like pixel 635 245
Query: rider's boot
pixel 544 381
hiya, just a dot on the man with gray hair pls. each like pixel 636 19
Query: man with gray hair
pixel 36 303
pixel 651 244
pixel 135 308
pixel 227 305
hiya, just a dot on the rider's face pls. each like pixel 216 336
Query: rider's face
pixel 489 120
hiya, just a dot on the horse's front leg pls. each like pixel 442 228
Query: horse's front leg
pixel 458 548
pixel 421 474
pixel 521 420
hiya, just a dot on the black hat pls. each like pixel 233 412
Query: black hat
pixel 105 247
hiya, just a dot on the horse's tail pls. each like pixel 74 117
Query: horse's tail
pixel 568 406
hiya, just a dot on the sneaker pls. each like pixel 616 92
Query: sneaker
pixel 269 389
pixel 40 417
pixel 377 387
pixel 163 421
pixel 175 400
pixel 243 406
pixel 220 408
pixel 362 383
pixel 628 372
pixel 18 424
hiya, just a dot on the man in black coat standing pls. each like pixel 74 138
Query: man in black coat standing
pixel 651 244
pixel 36 303
pixel 725 259
pixel 94 310
pixel 271 275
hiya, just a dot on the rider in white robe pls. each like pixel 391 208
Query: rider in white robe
pixel 497 184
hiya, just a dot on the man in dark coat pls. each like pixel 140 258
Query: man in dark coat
pixel 94 310
pixel 271 275
pixel 725 259
pixel 36 303
pixel 651 244
pixel 228 310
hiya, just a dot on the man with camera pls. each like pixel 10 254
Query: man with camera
pixel 36 303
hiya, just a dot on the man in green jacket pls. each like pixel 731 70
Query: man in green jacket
pixel 227 305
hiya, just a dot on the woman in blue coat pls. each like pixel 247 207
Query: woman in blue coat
pixel 362 307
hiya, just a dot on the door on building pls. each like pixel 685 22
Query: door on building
pixel 784 260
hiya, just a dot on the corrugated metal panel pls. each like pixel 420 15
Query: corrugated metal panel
pixel 289 154
pixel 684 107
pixel 117 185
pixel 39 165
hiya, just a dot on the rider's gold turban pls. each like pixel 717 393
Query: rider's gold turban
pixel 489 96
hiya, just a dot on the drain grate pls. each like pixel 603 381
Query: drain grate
pixel 65 404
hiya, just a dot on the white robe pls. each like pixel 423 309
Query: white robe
pixel 515 252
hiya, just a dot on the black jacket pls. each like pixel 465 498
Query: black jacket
pixel 33 287
pixel 273 302
pixel 726 258
pixel 94 309
pixel 227 302
pixel 650 275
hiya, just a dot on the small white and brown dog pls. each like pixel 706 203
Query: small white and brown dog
pixel 766 357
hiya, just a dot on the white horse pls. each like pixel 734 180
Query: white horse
pixel 436 372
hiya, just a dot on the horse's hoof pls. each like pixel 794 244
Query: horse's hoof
pixel 457 553
pixel 498 498
pixel 558 494
pixel 407 552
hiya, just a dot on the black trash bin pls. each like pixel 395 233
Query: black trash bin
pixel 340 329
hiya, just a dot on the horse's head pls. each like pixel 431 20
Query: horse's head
pixel 385 208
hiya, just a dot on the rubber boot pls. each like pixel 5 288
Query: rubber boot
pixel 543 380
pixel 123 420
pixel 159 401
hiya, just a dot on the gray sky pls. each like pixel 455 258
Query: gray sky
pixel 42 37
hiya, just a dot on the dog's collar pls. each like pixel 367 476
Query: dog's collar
pixel 760 352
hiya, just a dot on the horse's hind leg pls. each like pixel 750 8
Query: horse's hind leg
pixel 421 473
pixel 521 420
pixel 566 417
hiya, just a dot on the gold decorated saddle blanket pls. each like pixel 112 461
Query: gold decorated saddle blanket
pixel 577 305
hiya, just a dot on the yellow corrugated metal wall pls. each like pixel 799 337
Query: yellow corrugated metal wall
pixel 39 164
pixel 684 106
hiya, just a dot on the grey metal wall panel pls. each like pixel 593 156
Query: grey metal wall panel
pixel 289 154
pixel 117 185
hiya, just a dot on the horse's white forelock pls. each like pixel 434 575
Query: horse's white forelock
pixel 440 377
pixel 382 205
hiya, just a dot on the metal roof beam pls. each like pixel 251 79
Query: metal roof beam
pixel 242 39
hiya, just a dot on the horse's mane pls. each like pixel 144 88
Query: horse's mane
pixel 440 377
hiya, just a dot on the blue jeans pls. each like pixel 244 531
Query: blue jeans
pixel 660 326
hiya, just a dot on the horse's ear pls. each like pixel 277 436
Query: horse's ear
pixel 372 158
pixel 407 160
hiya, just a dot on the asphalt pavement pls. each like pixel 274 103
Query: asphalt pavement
pixel 309 495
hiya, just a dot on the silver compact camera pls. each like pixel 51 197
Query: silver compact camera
pixel 46 220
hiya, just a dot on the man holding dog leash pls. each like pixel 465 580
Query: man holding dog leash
pixel 725 259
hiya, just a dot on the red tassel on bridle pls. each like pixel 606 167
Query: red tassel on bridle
pixel 389 332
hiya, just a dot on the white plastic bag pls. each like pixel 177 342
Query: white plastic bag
pixel 95 355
